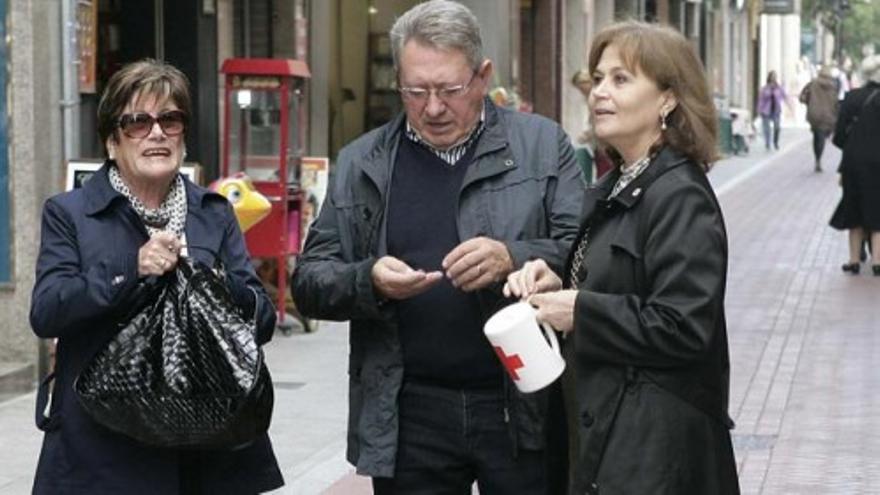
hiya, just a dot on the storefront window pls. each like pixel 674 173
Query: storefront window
pixel 5 240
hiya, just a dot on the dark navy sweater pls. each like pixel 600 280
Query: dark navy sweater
pixel 441 329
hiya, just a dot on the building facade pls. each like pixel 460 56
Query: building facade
pixel 536 46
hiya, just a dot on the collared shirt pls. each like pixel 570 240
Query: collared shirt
pixel 452 154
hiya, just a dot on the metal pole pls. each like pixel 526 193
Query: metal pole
pixel 70 103
pixel 246 21
pixel 159 15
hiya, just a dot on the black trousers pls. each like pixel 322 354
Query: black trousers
pixel 819 138
pixel 450 438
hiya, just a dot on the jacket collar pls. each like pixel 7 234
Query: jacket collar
pixel 100 194
pixel 378 160
pixel 597 194
pixel 98 191
pixel 665 161
pixel 494 135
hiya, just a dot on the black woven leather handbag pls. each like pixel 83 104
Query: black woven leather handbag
pixel 185 371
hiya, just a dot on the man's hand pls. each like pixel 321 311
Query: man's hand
pixel 556 309
pixel 394 279
pixel 533 278
pixel 477 263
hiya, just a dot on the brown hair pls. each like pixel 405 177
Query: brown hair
pixel 663 55
pixel 144 77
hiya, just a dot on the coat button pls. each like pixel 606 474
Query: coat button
pixel 508 163
pixel 587 419
pixel 594 488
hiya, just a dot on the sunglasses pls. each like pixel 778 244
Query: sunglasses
pixel 139 125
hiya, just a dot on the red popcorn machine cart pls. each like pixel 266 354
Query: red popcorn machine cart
pixel 263 129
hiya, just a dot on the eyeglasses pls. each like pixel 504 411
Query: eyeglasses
pixel 445 94
pixel 139 125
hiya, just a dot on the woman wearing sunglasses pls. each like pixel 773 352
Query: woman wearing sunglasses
pixel 101 245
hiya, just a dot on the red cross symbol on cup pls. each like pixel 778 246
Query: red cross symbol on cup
pixel 512 362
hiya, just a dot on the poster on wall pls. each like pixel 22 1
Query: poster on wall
pixel 314 174
pixel 87 34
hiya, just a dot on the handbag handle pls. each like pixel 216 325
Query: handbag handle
pixel 218 263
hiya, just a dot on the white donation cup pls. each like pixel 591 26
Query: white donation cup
pixel 530 361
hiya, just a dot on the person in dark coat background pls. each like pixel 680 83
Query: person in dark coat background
pixel 641 299
pixel 858 128
pixel 100 244
pixel 820 97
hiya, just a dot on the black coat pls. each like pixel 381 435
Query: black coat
pixel 856 134
pixel 650 359
pixel 86 281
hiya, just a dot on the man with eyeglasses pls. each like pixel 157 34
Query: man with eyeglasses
pixel 426 216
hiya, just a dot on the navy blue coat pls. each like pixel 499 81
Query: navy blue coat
pixel 86 281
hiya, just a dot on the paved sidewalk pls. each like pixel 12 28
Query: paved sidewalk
pixel 803 339
pixel 803 336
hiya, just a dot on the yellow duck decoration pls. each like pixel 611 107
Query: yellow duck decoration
pixel 249 205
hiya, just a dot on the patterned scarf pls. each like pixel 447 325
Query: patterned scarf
pixel 627 175
pixel 170 216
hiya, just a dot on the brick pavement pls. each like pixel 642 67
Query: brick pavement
pixel 803 337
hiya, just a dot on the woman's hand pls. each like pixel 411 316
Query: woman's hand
pixel 534 277
pixel 556 309
pixel 158 255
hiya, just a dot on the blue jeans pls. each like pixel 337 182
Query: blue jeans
pixel 449 438
pixel 766 121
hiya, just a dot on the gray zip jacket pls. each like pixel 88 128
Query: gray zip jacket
pixel 523 188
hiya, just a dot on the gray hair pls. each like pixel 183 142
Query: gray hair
pixel 439 24
pixel 871 68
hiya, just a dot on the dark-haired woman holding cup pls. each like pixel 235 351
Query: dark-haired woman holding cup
pixel 641 300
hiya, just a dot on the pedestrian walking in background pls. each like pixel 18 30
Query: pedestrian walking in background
pixel 820 97
pixel 100 245
pixel 425 218
pixel 742 129
pixel 856 133
pixel 641 298
pixel 770 100
pixel 840 80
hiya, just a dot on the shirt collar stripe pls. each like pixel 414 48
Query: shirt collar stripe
pixel 456 151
